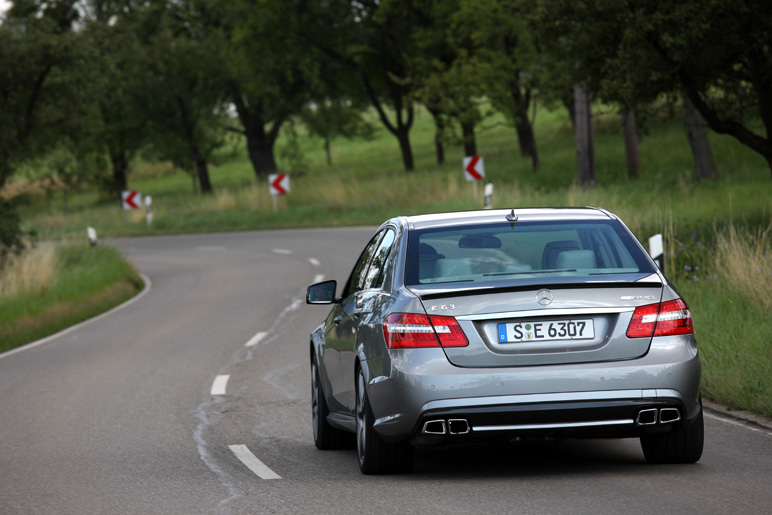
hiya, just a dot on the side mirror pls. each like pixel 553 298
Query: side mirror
pixel 322 293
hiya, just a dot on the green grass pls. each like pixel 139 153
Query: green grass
pixel 83 282
pixel 367 185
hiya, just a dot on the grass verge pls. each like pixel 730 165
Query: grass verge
pixel 50 288
pixel 729 291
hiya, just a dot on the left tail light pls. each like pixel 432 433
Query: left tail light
pixel 662 319
pixel 411 331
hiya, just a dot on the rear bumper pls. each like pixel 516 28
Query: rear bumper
pixel 418 386
pixel 586 414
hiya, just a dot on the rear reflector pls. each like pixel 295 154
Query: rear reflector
pixel 662 319
pixel 410 331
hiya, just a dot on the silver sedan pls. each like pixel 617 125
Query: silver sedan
pixel 516 324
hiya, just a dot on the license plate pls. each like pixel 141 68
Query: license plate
pixel 581 329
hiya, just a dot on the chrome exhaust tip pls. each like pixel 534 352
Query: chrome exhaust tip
pixel 434 427
pixel 458 426
pixel 646 417
pixel 669 415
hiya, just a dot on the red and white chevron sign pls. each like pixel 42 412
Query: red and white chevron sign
pixel 279 183
pixel 131 199
pixel 473 168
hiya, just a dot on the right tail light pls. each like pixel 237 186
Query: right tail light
pixel 662 319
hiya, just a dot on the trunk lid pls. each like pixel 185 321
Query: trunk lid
pixel 544 324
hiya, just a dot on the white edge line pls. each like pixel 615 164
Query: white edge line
pixel 246 457
pixel 255 339
pixel 47 339
pixel 220 384
pixel 737 423
pixel 318 278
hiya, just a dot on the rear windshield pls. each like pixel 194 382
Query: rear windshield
pixel 581 250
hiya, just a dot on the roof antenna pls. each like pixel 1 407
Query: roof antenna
pixel 512 218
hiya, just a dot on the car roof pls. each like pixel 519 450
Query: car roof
pixel 500 215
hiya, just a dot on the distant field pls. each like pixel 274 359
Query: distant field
pixel 366 185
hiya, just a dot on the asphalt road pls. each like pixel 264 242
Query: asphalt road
pixel 195 398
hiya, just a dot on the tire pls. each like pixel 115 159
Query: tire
pixel 375 455
pixel 326 437
pixel 682 444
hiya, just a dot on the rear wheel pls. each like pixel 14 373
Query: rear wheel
pixel 682 444
pixel 325 436
pixel 375 455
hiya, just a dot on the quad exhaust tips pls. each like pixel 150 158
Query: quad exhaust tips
pixel 648 417
pixel 454 426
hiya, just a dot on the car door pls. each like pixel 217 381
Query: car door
pixel 365 300
pixel 342 332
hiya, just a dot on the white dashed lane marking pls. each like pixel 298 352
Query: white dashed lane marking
pixel 210 247
pixel 282 251
pixel 243 453
pixel 219 385
pixel 256 339
pixel 314 261
pixel 318 278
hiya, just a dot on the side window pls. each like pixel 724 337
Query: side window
pixel 359 269
pixel 375 274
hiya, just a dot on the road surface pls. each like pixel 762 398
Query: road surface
pixel 195 398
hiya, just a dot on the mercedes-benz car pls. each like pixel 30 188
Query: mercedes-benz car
pixel 504 324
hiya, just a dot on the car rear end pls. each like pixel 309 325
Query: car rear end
pixel 534 323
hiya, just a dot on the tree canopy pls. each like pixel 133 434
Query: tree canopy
pixel 103 80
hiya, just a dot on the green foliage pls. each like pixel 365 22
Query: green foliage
pixel 631 52
pixel 86 281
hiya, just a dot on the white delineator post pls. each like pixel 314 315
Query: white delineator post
pixel 657 250
pixel 488 195
pixel 149 209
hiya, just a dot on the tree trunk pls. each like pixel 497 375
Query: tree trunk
pixel 527 140
pixel 470 143
pixel 585 151
pixel 259 147
pixel 120 167
pixel 631 145
pixel 327 150
pixel 697 134
pixel 525 136
pixel 202 170
pixel 403 135
pixel 439 130
pixel 259 141
pixel 400 129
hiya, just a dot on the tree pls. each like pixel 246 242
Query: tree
pixel 271 72
pixel 375 39
pixel 41 90
pixel 111 31
pixel 716 52
pixel 182 96
pixel 330 119
pixel 505 61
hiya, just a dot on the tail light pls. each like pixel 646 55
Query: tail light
pixel 662 319
pixel 410 331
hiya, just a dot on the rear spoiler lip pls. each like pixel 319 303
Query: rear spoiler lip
pixel 467 292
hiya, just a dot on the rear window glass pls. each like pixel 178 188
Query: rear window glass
pixel 529 250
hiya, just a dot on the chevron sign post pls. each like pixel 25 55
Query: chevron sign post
pixel 278 184
pixel 131 199
pixel 473 168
